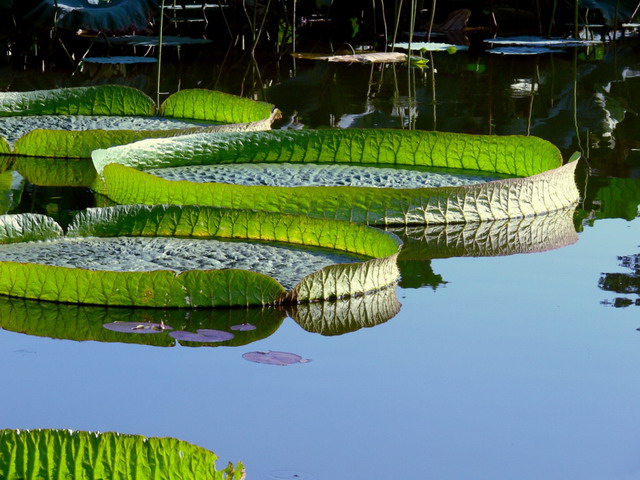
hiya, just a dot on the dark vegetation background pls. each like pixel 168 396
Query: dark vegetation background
pixel 57 29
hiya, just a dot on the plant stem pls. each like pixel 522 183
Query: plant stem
pixel 433 14
pixel 160 54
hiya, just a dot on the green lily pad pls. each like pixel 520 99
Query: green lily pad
pixel 98 100
pixel 196 287
pixel 36 454
pixel 545 184
pixel 73 122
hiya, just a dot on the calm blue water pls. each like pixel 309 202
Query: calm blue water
pixel 516 367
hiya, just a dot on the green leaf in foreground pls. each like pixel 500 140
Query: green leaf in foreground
pixel 98 100
pixel 48 454
pixel 544 186
pixel 207 288
pixel 215 106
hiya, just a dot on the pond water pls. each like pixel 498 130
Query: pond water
pixel 496 364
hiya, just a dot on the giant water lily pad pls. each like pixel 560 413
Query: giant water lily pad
pixel 37 454
pixel 72 122
pixel 196 287
pixel 539 183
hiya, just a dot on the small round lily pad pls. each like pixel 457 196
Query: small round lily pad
pixel 243 327
pixel 203 335
pixel 274 358
pixel 137 327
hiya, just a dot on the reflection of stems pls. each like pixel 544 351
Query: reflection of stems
pixel 259 34
pixel 412 19
pixel 226 23
pixel 575 98
pixel 160 53
pixel 395 30
pixel 575 19
pixel 396 96
pixel 384 23
pixel 433 14
pixel 552 20
pixel 433 90
pixel 534 83
pixel 293 27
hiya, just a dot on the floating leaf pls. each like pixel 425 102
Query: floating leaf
pixel 203 335
pixel 73 122
pixel 100 100
pixel 37 454
pixel 119 60
pixel 153 41
pixel 431 46
pixel 365 57
pixel 532 41
pixel 194 288
pixel 548 186
pixel 274 358
pixel 243 327
pixel 214 106
pixel 28 227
